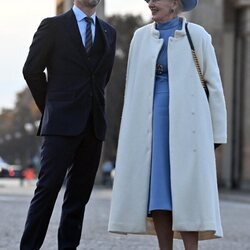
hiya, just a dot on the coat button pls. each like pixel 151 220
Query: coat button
pixel 194 150
pixel 193 113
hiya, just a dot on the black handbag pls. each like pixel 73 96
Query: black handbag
pixel 196 61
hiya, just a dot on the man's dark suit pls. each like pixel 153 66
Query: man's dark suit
pixel 71 100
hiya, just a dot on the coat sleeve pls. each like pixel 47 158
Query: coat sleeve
pixel 37 61
pixel 216 96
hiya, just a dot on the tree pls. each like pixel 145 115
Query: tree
pixel 125 26
pixel 17 129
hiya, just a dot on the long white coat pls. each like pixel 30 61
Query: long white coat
pixel 195 125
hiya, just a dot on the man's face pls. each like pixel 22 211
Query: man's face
pixel 89 3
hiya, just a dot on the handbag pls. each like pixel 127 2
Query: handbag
pixel 196 61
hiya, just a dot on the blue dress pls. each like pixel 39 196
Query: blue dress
pixel 160 185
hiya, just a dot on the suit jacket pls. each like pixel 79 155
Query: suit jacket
pixel 72 87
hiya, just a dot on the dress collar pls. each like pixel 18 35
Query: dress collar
pixel 169 24
pixel 178 33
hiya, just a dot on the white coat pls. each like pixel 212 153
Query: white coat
pixel 195 125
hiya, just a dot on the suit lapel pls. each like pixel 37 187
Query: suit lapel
pixel 104 33
pixel 73 31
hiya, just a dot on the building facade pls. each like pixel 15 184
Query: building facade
pixel 228 21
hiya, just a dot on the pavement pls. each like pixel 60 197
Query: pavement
pixel 14 203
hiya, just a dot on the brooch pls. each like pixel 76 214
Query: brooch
pixel 159 69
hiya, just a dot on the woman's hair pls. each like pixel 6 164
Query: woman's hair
pixel 179 9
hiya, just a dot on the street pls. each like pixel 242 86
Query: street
pixel 14 202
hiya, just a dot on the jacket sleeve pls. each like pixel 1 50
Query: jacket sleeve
pixel 216 96
pixel 113 48
pixel 37 61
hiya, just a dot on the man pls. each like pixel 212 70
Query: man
pixel 77 49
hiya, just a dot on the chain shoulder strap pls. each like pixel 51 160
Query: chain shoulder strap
pixel 196 61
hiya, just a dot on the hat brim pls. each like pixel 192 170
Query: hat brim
pixel 189 4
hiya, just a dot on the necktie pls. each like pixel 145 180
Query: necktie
pixel 88 38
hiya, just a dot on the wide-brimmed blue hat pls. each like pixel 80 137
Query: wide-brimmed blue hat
pixel 189 4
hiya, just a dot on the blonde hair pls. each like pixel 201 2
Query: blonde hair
pixel 179 8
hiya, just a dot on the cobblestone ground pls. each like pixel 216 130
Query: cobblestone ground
pixel 14 202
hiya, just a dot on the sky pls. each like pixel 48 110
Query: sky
pixel 19 20
pixel 129 6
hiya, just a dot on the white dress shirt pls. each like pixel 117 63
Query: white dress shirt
pixel 80 15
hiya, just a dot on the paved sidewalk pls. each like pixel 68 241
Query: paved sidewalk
pixel 236 196
pixel 15 200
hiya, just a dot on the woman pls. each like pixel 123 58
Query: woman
pixel 165 164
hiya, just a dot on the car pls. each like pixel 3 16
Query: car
pixel 4 172
pixel 15 171
pixel 10 170
pixel 4 168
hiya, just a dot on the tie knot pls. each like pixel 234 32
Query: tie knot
pixel 88 19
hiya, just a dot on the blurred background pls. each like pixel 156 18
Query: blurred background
pixel 229 24
pixel 228 21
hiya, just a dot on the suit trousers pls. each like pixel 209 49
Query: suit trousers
pixel 78 158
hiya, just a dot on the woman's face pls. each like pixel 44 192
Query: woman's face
pixel 162 10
